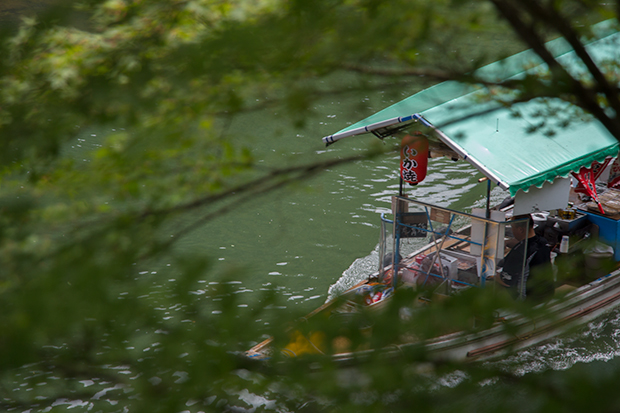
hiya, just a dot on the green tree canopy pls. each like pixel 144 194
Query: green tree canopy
pixel 164 79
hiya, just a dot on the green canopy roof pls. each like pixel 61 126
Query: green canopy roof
pixel 502 142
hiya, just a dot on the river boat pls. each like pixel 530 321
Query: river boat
pixel 565 179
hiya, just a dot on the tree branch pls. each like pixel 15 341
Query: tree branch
pixel 513 12
pixel 410 71
pixel 252 189
pixel 550 17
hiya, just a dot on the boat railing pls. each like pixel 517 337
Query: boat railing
pixel 450 236
pixel 464 250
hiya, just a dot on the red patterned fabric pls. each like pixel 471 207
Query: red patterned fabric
pixel 587 177
pixel 595 170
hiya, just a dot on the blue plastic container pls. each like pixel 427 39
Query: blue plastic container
pixel 609 231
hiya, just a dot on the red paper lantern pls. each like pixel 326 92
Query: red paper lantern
pixel 413 158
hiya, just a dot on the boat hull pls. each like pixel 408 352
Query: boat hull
pixel 576 308
pixel 570 310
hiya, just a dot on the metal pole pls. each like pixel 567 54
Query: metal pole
pixel 488 199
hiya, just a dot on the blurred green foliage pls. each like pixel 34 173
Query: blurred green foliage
pixel 81 325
